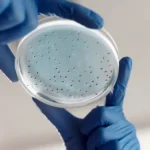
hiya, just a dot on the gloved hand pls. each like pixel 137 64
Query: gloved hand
pixel 105 128
pixel 19 17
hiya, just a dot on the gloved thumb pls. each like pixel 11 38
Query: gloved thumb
pixel 117 97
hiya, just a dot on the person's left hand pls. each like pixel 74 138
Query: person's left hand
pixel 105 128
pixel 19 17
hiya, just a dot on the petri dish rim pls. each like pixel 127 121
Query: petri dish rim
pixel 51 100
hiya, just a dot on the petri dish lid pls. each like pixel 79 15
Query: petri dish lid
pixel 65 64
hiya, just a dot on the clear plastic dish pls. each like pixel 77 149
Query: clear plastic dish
pixel 65 64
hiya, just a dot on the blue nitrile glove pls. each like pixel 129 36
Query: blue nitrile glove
pixel 19 17
pixel 105 128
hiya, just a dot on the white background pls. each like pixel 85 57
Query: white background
pixel 22 126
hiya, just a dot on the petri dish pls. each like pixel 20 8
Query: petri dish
pixel 65 64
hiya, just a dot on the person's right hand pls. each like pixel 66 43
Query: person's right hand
pixel 106 126
pixel 19 17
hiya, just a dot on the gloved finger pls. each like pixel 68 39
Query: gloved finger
pixel 121 84
pixel 101 117
pixel 7 63
pixel 130 142
pixel 3 5
pixel 133 144
pixel 72 11
pixel 66 124
pixel 104 135
pixel 10 17
pixel 28 25
pixel 113 145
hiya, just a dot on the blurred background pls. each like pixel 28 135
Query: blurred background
pixel 23 127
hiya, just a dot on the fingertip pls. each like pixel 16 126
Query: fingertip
pixel 35 100
pixel 44 108
pixel 98 21
pixel 38 103
pixel 126 60
pixel 84 15
pixel 7 63
pixel 125 69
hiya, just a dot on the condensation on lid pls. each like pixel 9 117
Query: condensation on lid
pixel 65 64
